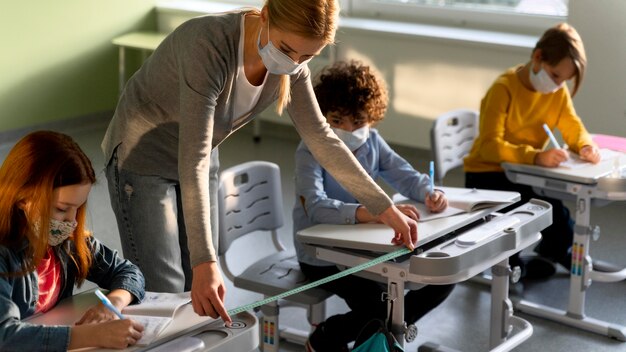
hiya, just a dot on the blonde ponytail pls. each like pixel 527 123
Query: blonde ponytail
pixel 284 94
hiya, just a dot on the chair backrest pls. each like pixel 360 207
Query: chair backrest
pixel 451 139
pixel 249 199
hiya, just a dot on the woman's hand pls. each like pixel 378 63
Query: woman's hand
pixel 405 228
pixel 111 334
pixel 551 158
pixel 590 153
pixel 208 291
pixel 436 201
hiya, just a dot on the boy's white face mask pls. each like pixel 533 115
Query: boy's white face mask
pixel 542 82
pixel 355 139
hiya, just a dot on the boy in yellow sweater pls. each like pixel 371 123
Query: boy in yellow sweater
pixel 512 114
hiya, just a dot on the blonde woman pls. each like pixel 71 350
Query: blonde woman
pixel 207 79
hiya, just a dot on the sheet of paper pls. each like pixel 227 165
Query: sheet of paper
pixel 575 162
pixel 152 327
pixel 427 215
pixel 159 304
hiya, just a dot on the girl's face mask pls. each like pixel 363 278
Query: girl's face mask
pixel 542 82
pixel 59 231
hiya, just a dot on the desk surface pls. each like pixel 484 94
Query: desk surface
pixel 140 40
pixel 71 309
pixel 377 237
pixel 589 174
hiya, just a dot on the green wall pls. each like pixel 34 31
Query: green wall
pixel 57 60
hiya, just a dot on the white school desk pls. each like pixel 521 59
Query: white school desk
pixel 441 259
pixel 587 186
pixel 242 336
pixel 144 41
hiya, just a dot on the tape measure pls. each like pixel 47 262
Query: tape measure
pixel 382 258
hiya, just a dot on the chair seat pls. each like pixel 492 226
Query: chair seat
pixel 276 274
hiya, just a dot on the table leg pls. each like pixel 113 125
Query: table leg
pixel 581 275
pixel 395 292
pixel 506 330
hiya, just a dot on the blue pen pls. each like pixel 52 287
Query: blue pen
pixel 551 136
pixel 432 176
pixel 108 304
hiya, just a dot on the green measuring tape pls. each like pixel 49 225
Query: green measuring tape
pixel 382 258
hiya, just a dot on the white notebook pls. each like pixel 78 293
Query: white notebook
pixel 155 313
pixel 461 200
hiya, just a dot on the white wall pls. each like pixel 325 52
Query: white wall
pixel 428 76
pixel 601 102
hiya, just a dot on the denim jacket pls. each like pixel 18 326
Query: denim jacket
pixel 19 294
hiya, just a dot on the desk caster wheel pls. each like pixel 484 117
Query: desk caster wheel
pixel 410 333
pixel 515 275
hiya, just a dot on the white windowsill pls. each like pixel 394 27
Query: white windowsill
pixel 492 38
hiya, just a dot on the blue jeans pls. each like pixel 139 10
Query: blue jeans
pixel 151 223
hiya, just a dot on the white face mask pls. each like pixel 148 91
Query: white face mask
pixel 59 231
pixel 355 139
pixel 542 82
pixel 276 61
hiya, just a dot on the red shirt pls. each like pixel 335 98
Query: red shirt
pixel 49 276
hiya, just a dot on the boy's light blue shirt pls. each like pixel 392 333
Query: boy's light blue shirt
pixel 321 200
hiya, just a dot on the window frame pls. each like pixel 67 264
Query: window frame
pixel 450 16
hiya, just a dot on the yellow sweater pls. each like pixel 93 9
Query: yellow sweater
pixel 511 124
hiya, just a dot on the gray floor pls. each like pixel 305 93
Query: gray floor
pixel 462 321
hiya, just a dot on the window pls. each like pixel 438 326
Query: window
pixel 526 16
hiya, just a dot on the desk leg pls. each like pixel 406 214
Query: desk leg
pixel 506 330
pixel 581 261
pixel 581 275
pixel 501 308
pixel 395 291
pixel 256 132
pixel 121 69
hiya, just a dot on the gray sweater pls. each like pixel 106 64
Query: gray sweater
pixel 179 106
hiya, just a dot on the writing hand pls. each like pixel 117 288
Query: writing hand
pixel 111 334
pixel 208 291
pixel 436 202
pixel 551 157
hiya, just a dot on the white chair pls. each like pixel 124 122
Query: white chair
pixel 250 203
pixel 451 139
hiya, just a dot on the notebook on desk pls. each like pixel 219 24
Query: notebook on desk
pixel 461 200
pixel 377 237
pixel 585 173
pixel 155 313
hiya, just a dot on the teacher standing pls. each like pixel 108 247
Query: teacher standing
pixel 207 79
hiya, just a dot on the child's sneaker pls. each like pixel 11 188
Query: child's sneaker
pixel 319 342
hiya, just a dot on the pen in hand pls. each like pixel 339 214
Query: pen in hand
pixel 432 177
pixel 108 304
pixel 551 136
